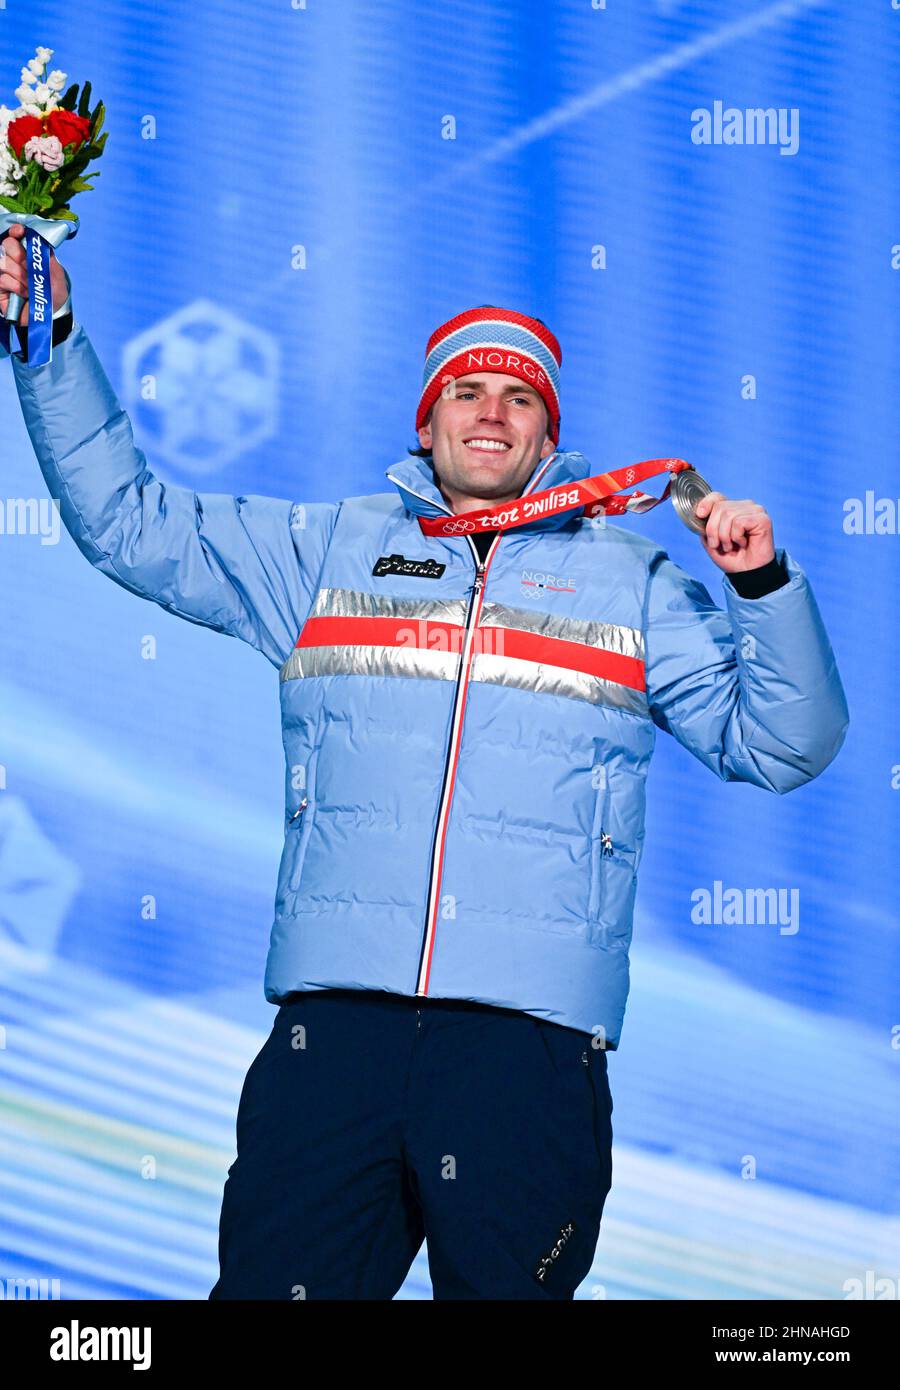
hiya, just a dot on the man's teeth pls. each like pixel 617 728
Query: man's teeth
pixel 497 444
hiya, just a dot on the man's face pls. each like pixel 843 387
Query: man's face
pixel 468 422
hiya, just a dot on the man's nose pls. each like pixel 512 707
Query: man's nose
pixel 493 409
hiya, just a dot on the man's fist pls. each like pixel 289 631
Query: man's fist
pixel 738 535
pixel 14 273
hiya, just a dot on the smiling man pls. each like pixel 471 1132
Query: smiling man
pixel 466 754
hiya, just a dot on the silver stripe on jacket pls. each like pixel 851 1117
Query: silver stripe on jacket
pixel 489 665
pixel 545 679
pixel 353 603
pixel 626 641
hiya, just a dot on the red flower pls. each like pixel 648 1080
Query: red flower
pixel 67 126
pixel 21 130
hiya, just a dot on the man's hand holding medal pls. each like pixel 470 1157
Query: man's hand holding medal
pixel 736 535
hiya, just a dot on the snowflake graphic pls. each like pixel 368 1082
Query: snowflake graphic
pixel 202 386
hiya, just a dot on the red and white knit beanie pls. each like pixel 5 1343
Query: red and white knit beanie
pixel 489 339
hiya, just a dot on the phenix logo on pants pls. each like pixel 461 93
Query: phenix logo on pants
pixel 547 1261
pixel 75 1343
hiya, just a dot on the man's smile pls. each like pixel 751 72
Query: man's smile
pixel 484 444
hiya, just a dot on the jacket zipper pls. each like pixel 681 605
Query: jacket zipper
pixel 450 762
pixel 449 778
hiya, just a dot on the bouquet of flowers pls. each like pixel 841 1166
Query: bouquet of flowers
pixel 46 146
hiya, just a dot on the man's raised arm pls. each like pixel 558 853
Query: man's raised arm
pixel 246 566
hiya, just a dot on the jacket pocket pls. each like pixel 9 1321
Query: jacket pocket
pixel 300 824
pixel 613 859
pixel 598 832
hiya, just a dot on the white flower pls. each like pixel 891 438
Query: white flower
pixel 57 80
pixel 25 95
pixel 41 93
pixel 8 164
pixel 36 67
pixel 44 54
pixel 28 75
pixel 45 150
pixel 9 188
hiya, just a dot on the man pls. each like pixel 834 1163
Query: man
pixel 468 722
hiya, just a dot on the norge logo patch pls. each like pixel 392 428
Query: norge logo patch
pixel 534 582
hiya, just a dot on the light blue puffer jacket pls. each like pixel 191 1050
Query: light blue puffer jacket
pixel 465 762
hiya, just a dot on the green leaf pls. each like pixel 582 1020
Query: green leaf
pixel 78 161
pixel 84 103
pixel 11 204
pixel 63 214
pixel 69 97
pixel 97 119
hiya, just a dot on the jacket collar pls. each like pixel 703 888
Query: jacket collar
pixel 419 493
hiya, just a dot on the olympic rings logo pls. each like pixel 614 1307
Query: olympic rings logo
pixel 458 528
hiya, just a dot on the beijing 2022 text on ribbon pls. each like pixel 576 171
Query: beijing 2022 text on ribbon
pixel 598 494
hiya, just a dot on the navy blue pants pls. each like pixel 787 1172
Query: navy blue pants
pixel 371 1121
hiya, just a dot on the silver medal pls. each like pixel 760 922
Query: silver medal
pixel 686 489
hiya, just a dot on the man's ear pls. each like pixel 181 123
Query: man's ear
pixel 425 432
pixel 548 447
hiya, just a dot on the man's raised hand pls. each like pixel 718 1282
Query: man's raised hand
pixel 14 273
pixel 738 534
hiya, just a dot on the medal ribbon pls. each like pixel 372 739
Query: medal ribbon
pixel 597 494
pixel 40 307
